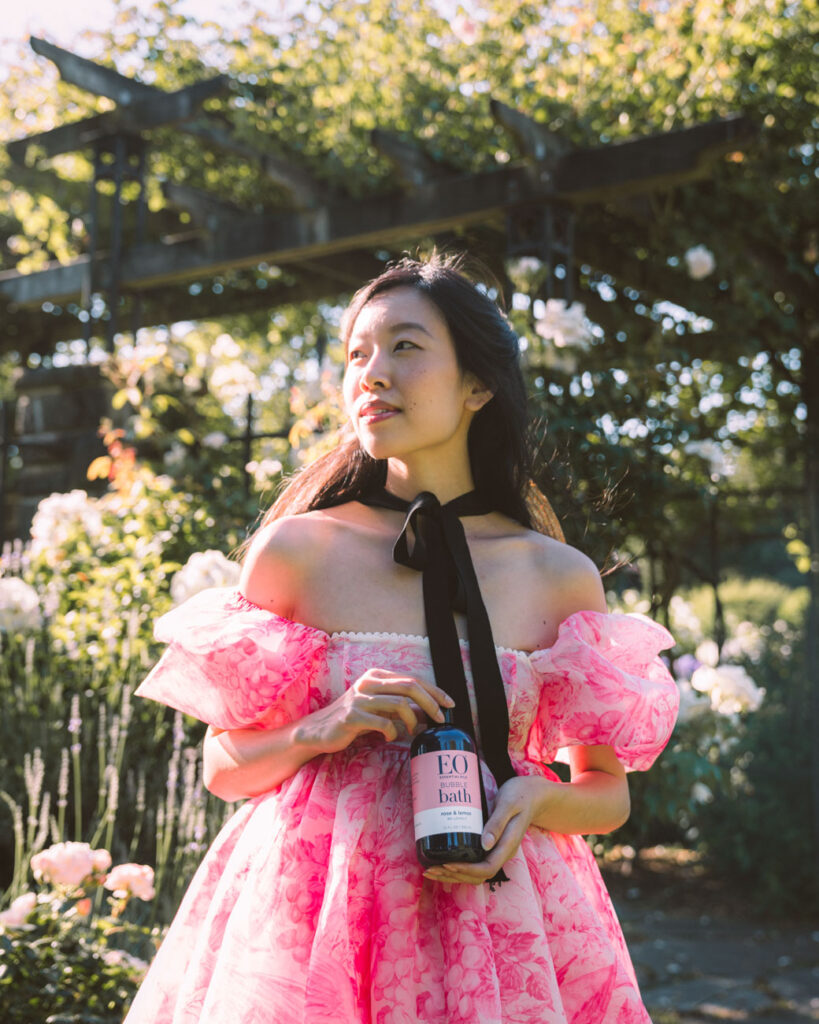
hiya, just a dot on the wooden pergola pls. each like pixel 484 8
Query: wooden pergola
pixel 320 242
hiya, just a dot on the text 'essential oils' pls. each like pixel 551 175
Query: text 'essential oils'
pixel 446 795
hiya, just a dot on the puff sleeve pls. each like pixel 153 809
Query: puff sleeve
pixel 603 682
pixel 234 665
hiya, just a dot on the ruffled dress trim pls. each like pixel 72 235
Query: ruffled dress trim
pixel 235 665
pixel 603 682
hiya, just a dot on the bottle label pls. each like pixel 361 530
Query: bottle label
pixel 446 793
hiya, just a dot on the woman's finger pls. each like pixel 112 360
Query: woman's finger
pixel 475 874
pixel 408 688
pixel 441 697
pixel 367 722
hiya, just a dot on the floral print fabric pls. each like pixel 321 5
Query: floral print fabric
pixel 310 906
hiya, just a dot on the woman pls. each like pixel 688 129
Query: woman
pixel 311 905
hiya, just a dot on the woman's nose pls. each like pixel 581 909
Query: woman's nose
pixel 375 374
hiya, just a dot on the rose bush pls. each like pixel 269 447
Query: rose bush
pixel 59 958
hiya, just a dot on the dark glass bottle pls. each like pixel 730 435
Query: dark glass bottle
pixel 446 795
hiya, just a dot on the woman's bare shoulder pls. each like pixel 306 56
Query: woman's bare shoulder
pixel 568 580
pixel 278 557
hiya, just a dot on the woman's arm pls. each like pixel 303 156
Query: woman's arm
pixel 241 763
pixel 596 800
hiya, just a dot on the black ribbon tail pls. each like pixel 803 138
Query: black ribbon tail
pixel 440 551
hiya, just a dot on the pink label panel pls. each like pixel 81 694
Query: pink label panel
pixel 446 795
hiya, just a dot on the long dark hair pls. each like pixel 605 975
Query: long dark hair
pixel 486 346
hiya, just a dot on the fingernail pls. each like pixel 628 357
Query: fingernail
pixel 439 715
pixel 488 841
pixel 449 702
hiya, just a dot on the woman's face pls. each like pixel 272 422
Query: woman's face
pixel 403 389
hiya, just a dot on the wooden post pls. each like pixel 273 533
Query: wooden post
pixel 810 395
pixel 713 531
pixel 248 443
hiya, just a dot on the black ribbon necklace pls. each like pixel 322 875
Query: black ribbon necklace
pixel 441 553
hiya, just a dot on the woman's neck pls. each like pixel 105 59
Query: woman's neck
pixel 407 481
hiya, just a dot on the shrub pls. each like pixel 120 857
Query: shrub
pixel 60 960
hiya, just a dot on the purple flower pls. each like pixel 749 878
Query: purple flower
pixel 685 666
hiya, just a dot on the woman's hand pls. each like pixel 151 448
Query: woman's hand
pixel 378 701
pixel 519 802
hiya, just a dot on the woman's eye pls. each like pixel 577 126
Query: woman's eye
pixel 354 354
pixel 406 342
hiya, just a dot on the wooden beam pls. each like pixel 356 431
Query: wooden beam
pixel 289 237
pixel 535 140
pixel 412 165
pixel 657 161
pixel 32 330
pixel 206 210
pixel 93 77
pixel 163 109
pixel 455 203
pixel 103 81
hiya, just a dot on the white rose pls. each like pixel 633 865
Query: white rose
pixel 19 606
pixel 730 688
pixel 58 517
pixel 202 570
pixel 700 262
pixel 701 794
pixel 121 958
pixel 747 642
pixel 175 455
pixel 564 326
pixel 466 29
pixel 707 653
pixel 265 471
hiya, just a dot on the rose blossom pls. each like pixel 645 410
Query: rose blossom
pixel 564 325
pixel 19 605
pixel 19 910
pixel 700 262
pixel 69 863
pixel 120 958
pixel 132 880
pixel 730 688
pixel 202 570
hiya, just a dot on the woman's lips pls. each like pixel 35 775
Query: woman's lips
pixel 376 415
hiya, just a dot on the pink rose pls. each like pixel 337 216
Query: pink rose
pixel 69 863
pixel 132 880
pixel 19 910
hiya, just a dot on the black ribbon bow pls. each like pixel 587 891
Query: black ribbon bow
pixel 441 553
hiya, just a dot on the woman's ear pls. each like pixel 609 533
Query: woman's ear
pixel 477 394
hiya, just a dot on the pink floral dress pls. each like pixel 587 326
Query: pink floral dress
pixel 310 907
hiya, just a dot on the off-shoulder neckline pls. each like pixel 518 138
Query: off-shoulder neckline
pixel 346 634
